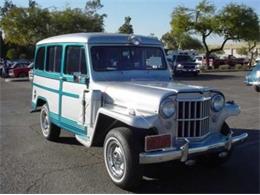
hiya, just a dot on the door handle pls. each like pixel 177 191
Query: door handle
pixel 63 78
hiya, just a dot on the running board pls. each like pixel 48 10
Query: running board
pixel 83 140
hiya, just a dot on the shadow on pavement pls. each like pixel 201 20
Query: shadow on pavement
pixel 68 140
pixel 239 175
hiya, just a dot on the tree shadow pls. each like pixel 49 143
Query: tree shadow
pixel 241 174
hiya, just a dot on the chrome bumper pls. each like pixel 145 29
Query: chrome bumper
pixel 187 149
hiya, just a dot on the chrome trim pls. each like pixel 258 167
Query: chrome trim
pixel 192 117
pixel 195 119
pixel 183 152
pixel 193 99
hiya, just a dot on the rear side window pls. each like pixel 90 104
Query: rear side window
pixel 39 61
pixel 75 60
pixel 53 63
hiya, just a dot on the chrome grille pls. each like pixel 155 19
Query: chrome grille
pixel 193 118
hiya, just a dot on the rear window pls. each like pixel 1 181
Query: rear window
pixel 39 60
pixel 75 60
pixel 53 63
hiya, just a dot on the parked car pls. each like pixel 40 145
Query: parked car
pixel 199 61
pixel 19 69
pixel 257 61
pixel 229 60
pixel 115 91
pixel 183 64
pixel 253 77
pixel 30 73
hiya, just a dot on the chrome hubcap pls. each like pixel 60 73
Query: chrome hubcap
pixel 45 123
pixel 115 158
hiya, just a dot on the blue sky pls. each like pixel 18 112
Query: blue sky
pixel 148 16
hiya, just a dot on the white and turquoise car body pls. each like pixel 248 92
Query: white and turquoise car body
pixel 144 98
pixel 253 77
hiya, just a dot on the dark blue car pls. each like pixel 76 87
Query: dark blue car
pixel 253 77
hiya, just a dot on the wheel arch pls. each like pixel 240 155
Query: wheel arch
pixel 40 101
pixel 105 123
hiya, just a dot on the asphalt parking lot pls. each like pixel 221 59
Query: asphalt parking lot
pixel 30 164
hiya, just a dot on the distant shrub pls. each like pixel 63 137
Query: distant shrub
pixel 238 66
pixel 223 67
pixel 11 54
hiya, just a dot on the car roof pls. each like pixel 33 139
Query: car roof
pixel 99 38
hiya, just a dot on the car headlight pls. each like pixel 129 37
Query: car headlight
pixel 167 108
pixel 217 102
pixel 258 74
pixel 179 66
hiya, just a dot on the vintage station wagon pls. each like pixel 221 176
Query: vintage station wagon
pixel 116 91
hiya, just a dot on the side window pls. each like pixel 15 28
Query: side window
pixel 53 63
pixel 75 60
pixel 39 61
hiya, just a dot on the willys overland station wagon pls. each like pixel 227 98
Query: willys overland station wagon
pixel 116 91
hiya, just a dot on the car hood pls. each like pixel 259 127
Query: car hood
pixel 144 95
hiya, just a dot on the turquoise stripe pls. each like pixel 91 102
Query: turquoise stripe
pixel 33 106
pixel 46 88
pixel 68 124
pixel 70 95
pixel 57 91
pixel 49 75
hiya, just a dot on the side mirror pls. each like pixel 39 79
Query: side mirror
pixel 80 78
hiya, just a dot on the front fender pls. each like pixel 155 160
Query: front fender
pixel 230 109
pixel 142 122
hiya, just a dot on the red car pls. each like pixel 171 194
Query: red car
pixel 19 69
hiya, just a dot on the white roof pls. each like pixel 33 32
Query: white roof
pixel 98 38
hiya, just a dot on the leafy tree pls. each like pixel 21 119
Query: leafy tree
pixel 126 28
pixel 233 22
pixel 242 51
pixel 2 45
pixel 6 7
pixel 169 41
pixel 24 26
pixel 12 54
pixel 186 41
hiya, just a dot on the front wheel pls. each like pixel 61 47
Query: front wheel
pixel 121 155
pixel 49 130
pixel 257 88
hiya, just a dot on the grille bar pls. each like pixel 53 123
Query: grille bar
pixel 193 118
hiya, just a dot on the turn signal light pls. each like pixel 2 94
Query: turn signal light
pixel 157 142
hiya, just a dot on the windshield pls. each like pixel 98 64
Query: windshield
pixel 121 58
pixel 184 58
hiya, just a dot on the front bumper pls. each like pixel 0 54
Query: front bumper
pixel 185 151
pixel 187 70
pixel 252 82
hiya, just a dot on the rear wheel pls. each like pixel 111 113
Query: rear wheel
pixel 49 130
pixel 121 155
